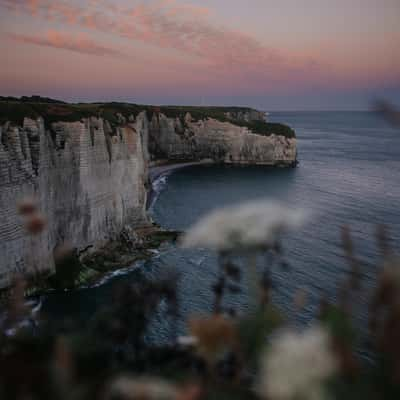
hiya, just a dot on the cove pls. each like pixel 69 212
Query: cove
pixel 349 173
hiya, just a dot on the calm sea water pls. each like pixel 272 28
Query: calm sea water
pixel 349 173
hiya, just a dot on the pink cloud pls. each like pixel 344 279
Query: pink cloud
pixel 161 23
pixel 79 43
pixel 174 8
pixel 225 55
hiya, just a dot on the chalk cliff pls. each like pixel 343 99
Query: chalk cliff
pixel 221 141
pixel 88 181
pixel 87 166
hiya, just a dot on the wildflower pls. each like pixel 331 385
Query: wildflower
pixel 214 335
pixel 296 366
pixel 251 226
pixel 35 223
pixel 387 292
pixel 187 341
pixel 127 388
pixel 190 392
pixel 27 206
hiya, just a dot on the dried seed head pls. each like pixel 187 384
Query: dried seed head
pixel 214 335
pixel 27 206
pixel 35 223
pixel 190 392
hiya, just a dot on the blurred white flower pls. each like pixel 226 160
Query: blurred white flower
pixel 296 366
pixel 187 341
pixel 247 226
pixel 129 388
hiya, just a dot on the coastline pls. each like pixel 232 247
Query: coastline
pixel 95 268
pixel 165 169
pixel 158 170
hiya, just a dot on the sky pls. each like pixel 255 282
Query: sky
pixel 268 54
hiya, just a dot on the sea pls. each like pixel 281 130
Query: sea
pixel 348 175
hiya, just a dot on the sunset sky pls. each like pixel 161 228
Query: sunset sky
pixel 270 54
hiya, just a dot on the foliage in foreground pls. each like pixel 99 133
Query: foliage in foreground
pixel 226 355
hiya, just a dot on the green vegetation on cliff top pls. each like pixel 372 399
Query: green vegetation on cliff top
pixel 15 110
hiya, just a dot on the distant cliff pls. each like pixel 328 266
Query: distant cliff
pixel 222 141
pixel 87 166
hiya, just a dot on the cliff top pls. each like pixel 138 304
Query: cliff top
pixel 16 109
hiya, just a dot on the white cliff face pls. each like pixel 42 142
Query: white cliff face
pixel 88 185
pixel 90 181
pixel 219 141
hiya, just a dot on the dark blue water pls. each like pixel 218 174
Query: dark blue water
pixel 349 174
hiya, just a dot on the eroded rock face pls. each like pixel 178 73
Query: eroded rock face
pixel 88 181
pixel 226 142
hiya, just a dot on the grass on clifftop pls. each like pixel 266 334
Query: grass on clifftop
pixel 268 128
pixel 15 110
